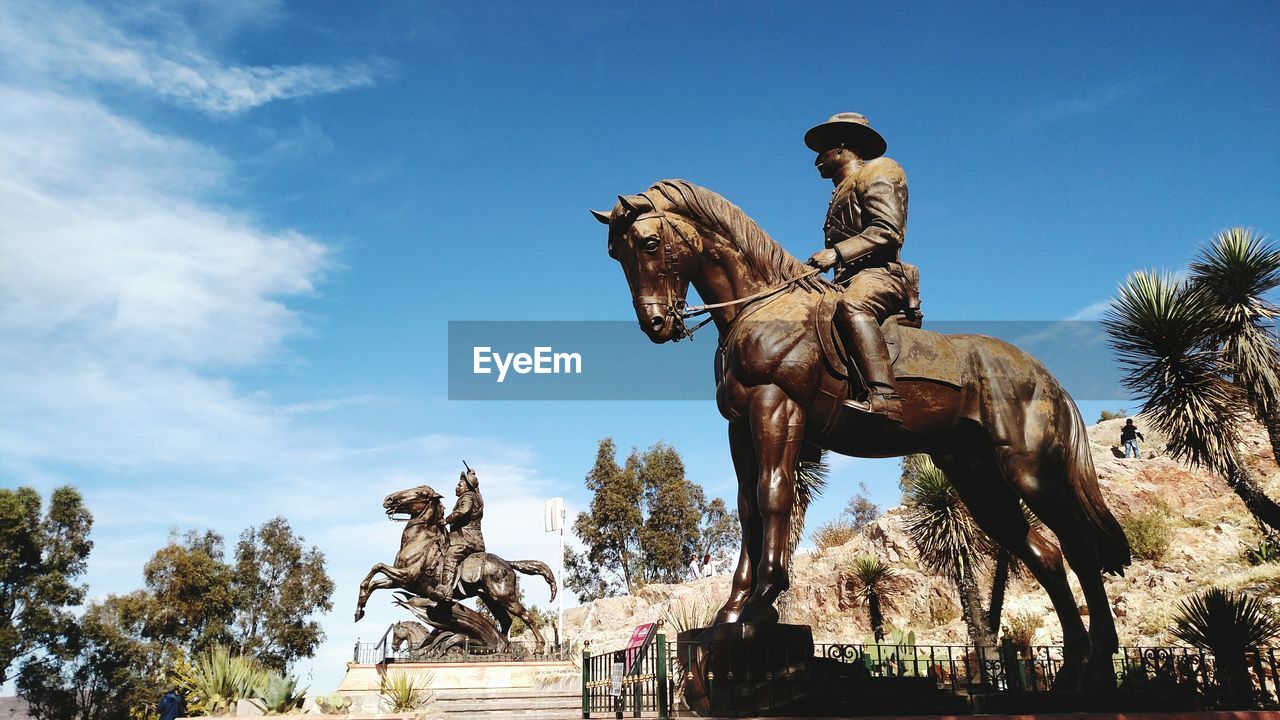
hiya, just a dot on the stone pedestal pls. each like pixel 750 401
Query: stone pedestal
pixel 746 669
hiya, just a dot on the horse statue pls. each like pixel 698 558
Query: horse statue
pixel 417 570
pixel 989 415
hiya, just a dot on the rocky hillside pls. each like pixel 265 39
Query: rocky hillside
pixel 1208 530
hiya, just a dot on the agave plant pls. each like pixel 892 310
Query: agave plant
pixel 1230 625
pixel 875 583
pixel 281 695
pixel 947 539
pixel 1167 335
pixel 1235 270
pixel 222 679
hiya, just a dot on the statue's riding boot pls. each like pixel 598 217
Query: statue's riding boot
pixel 870 355
pixel 448 576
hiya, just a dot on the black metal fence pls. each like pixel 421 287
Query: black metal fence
pixel 628 683
pixel 950 678
pixel 375 653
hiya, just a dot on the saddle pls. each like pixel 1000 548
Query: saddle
pixel 914 353
pixel 471 569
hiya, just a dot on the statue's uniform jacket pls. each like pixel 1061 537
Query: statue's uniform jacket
pixel 464 523
pixel 866 223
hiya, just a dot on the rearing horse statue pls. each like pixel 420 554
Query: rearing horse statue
pixel 989 415
pixel 417 570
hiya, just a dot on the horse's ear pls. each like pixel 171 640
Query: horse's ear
pixel 601 216
pixel 634 203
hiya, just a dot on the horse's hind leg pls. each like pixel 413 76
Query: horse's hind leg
pixel 499 613
pixel 513 606
pixel 994 506
pixel 1043 485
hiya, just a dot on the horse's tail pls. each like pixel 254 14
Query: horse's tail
pixel 1113 546
pixel 536 567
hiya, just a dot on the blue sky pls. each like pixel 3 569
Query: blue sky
pixel 232 233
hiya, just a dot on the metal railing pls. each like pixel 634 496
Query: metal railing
pixel 954 678
pixel 376 653
pixel 628 683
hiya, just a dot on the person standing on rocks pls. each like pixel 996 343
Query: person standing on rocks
pixel 1129 437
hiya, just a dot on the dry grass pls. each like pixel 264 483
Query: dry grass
pixel 833 534
pixel 1149 533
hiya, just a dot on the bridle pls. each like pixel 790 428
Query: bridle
pixel 677 308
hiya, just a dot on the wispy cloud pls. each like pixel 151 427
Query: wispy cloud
pixel 70 41
pixel 1088 102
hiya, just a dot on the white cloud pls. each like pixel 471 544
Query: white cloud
pixel 73 40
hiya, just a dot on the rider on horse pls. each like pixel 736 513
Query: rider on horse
pixel 464 529
pixel 864 229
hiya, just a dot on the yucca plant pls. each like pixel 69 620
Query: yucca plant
pixel 947 539
pixel 684 614
pixel 401 692
pixel 1230 625
pixel 222 679
pixel 874 583
pixel 1235 271
pixel 811 479
pixel 1165 332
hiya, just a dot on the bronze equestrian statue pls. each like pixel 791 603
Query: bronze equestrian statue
pixel 419 565
pixel 989 415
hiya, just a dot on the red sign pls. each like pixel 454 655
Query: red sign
pixel 639 638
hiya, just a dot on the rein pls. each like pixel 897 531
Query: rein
pixel 696 310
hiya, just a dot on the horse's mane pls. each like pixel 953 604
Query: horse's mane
pixel 708 208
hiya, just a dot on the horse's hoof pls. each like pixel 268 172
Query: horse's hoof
pixel 759 615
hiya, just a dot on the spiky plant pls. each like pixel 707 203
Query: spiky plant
pixel 222 679
pixel 1163 331
pixel 811 479
pixel 1235 270
pixel 947 539
pixel 401 692
pixel 874 583
pixel 281 695
pixel 688 614
pixel 1230 625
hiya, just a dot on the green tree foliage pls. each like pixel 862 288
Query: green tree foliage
pixel 189 597
pixel 644 521
pixel 104 678
pixel 41 556
pixel 278 584
pixel 860 510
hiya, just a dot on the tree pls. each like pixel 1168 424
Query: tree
pixel 645 520
pixel 721 530
pixel 1235 271
pixel 610 528
pixel 861 511
pixel 109 676
pixel 278 585
pixel 190 599
pixel 40 559
pixel 947 540
pixel 673 514
pixel 1167 334
pixel 874 582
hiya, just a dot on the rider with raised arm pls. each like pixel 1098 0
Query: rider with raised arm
pixel 864 230
pixel 464 529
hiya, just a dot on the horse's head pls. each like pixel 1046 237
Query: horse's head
pixel 421 503
pixel 654 250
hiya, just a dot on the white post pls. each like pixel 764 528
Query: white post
pixel 553 520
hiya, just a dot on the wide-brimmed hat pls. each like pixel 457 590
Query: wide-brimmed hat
pixel 848 129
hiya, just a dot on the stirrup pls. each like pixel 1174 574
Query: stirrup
pixel 886 406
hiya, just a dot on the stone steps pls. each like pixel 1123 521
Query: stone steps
pixel 491 704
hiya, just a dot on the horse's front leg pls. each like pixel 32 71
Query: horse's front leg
pixel 744 465
pixel 777 429
pixel 392 577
